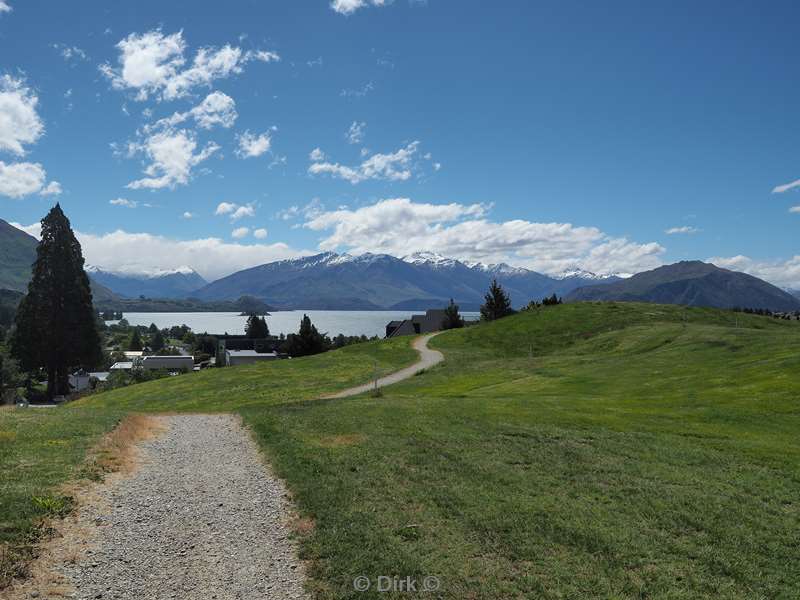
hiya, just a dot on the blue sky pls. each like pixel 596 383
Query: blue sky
pixel 550 135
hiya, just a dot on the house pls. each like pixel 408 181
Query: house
pixel 80 380
pixel 121 366
pixel 170 363
pixel 431 321
pixel 246 357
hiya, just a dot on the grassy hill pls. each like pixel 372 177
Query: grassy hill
pixel 17 253
pixel 581 451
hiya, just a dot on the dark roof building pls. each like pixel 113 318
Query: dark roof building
pixel 431 321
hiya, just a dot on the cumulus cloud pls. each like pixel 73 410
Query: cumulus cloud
pixel 124 202
pixel 171 155
pixel 4 7
pixel 348 7
pixel 18 180
pixel 216 109
pixel 141 252
pixel 783 273
pixel 316 155
pixel 686 229
pixel 252 145
pixel 211 257
pixel 355 134
pixel 19 122
pixel 400 226
pixel 235 211
pixel 260 234
pixel 240 232
pixel 154 64
pixel 187 215
pixel 794 209
pixel 395 166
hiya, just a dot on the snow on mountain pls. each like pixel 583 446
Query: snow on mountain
pixel 431 259
pixel 136 272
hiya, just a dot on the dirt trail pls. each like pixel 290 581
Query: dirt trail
pixel 427 358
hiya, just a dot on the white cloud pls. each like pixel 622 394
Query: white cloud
pixel 358 92
pixel 216 109
pixel 172 157
pixel 260 234
pixel 19 122
pixel 396 166
pixel 309 211
pixel 224 208
pixel 347 7
pixel 71 52
pixel 783 273
pixel 400 226
pixel 316 155
pixel 242 212
pixel 211 257
pixel 235 211
pixel 252 145
pixel 23 179
pixel 356 133
pixel 780 189
pixel 317 62
pixel 794 209
pixel 124 202
pixel 4 7
pixel 680 230
pixel 240 232
pixel 187 215
pixel 154 64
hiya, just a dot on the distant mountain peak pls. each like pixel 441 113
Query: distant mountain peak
pixel 142 272
pixel 429 258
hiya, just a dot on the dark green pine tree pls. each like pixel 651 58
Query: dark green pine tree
pixel 157 341
pixel 256 328
pixel 135 345
pixel 56 327
pixel 307 341
pixel 497 305
pixel 452 318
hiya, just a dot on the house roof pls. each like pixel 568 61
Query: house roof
pixel 250 353
pixel 121 366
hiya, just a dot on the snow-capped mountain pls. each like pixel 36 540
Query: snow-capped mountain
pixel 151 283
pixel 380 281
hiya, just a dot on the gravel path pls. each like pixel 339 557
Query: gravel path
pixel 201 518
pixel 427 358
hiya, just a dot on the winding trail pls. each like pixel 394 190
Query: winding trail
pixel 427 358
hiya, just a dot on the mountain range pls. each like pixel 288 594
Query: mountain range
pixel 176 283
pixel 380 281
pixel 693 283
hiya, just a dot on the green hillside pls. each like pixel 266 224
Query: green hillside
pixel 581 451
pixel 17 253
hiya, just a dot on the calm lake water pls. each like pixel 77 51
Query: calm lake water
pixel 332 322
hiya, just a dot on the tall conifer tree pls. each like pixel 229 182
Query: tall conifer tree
pixel 497 303
pixel 56 327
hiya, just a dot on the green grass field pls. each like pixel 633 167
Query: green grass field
pixel 581 451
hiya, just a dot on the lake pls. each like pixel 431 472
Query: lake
pixel 332 322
